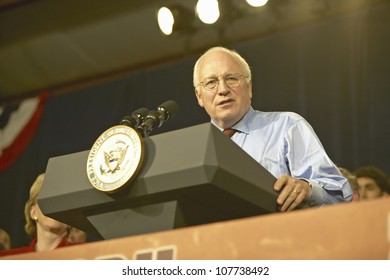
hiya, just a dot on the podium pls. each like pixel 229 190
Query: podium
pixel 189 177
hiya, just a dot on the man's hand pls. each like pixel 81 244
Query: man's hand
pixel 292 192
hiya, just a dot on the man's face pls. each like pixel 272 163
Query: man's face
pixel 368 188
pixel 226 105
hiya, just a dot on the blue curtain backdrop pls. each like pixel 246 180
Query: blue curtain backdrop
pixel 334 72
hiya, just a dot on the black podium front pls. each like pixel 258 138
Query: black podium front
pixel 191 176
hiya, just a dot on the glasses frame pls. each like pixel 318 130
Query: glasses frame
pixel 224 78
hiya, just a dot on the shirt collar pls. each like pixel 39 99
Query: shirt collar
pixel 243 124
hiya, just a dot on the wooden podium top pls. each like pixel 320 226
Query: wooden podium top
pixel 348 231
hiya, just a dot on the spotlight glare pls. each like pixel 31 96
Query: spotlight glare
pixel 165 20
pixel 257 3
pixel 207 11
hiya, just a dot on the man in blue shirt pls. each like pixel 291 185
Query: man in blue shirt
pixel 282 142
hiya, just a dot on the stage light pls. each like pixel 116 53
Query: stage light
pixel 165 20
pixel 174 18
pixel 257 3
pixel 208 11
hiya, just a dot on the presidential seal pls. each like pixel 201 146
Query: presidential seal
pixel 115 158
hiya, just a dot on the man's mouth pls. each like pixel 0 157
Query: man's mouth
pixel 224 102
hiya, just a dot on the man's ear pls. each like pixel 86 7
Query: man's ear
pixel 199 97
pixel 250 89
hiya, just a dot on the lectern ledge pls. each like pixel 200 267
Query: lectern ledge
pixel 190 176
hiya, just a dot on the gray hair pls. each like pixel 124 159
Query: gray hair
pixel 233 53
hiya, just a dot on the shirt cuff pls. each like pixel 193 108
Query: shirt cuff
pixel 316 197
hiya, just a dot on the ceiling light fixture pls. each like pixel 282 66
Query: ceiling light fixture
pixel 207 11
pixel 257 3
pixel 165 20
pixel 174 18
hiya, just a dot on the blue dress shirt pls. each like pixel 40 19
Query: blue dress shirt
pixel 285 143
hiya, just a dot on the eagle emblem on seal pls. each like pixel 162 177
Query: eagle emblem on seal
pixel 113 158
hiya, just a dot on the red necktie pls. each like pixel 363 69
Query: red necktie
pixel 229 132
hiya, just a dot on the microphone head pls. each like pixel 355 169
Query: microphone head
pixel 135 118
pixel 141 112
pixel 170 107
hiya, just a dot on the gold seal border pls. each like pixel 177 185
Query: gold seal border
pixel 136 162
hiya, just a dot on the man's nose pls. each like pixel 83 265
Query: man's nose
pixel 223 88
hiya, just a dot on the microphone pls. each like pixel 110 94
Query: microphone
pixel 156 118
pixel 136 118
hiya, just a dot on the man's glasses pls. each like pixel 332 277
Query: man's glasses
pixel 232 80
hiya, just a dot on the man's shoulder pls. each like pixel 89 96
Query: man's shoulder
pixel 279 116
